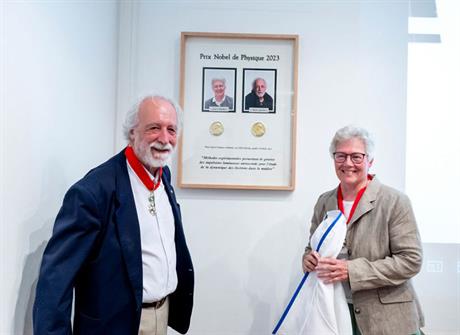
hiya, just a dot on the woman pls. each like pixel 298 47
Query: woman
pixel 382 249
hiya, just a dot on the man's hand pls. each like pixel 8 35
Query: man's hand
pixel 332 270
pixel 310 261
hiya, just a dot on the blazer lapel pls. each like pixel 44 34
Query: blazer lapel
pixel 179 234
pixel 331 203
pixel 170 192
pixel 128 228
pixel 366 204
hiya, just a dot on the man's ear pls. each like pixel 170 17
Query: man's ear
pixel 131 136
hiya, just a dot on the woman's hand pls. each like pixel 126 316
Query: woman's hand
pixel 332 270
pixel 310 261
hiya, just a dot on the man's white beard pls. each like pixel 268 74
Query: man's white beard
pixel 144 153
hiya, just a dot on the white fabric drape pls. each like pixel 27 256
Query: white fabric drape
pixel 319 308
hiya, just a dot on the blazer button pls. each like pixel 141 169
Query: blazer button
pixel 357 310
pixel 349 252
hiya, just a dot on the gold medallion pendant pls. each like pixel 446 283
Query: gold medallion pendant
pixel 152 207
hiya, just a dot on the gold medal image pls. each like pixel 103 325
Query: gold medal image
pixel 258 129
pixel 216 128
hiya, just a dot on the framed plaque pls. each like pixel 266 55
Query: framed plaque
pixel 239 96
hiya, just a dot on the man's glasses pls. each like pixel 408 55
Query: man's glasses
pixel 356 157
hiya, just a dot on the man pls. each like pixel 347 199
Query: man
pixel 118 241
pixel 220 101
pixel 258 98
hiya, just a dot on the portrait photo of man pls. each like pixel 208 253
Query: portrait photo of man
pixel 261 84
pixel 218 89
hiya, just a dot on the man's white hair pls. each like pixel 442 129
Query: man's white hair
pixel 132 116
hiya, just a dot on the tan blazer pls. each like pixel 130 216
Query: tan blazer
pixel 384 251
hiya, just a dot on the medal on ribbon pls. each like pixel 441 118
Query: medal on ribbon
pixel 140 171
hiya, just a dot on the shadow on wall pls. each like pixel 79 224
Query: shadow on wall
pixel 29 278
pixel 53 188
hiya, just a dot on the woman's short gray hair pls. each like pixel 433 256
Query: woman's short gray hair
pixel 349 132
pixel 222 80
pixel 132 116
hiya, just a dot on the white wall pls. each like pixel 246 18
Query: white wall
pixel 57 112
pixel 246 245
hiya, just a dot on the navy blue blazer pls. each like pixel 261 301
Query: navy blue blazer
pixel 96 250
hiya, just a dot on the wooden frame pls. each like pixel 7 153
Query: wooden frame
pixel 239 95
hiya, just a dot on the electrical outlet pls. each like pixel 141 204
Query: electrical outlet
pixel 434 266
